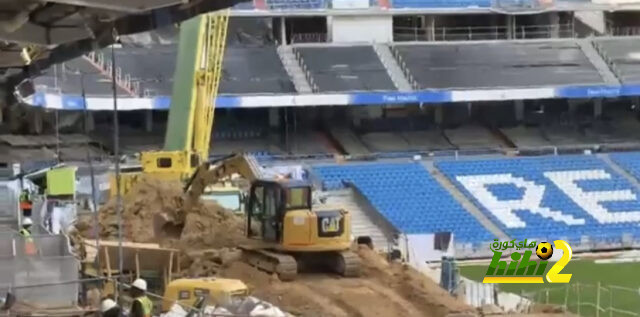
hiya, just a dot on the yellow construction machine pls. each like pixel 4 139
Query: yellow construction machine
pixel 286 234
pixel 195 86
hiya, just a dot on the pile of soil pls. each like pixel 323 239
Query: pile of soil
pixel 206 225
pixel 384 289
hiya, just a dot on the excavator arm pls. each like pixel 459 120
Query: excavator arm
pixel 209 173
pixel 213 172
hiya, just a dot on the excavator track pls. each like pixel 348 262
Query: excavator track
pixel 282 264
pixel 347 264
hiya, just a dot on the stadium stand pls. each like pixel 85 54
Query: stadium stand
pixel 416 4
pixel 152 67
pixel 622 54
pixel 630 162
pixel 535 198
pixel 296 4
pixel 352 68
pixel 67 78
pixel 254 70
pixel 500 64
pixel 408 197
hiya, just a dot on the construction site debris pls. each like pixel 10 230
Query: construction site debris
pixel 206 225
pixel 384 289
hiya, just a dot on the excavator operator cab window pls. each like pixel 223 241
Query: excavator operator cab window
pixel 255 211
pixel 164 162
pixel 194 160
pixel 298 198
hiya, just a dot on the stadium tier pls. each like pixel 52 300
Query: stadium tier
pixel 349 68
pixel 501 64
pixel 441 3
pixel 622 56
pixel 540 197
pixel 408 197
pixel 254 70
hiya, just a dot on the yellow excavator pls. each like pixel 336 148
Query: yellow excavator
pixel 288 234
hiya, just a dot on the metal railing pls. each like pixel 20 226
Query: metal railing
pixel 405 69
pixel 472 33
pixel 589 300
pixel 308 38
pixel 97 60
pixel 306 71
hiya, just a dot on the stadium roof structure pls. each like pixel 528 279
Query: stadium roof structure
pixel 59 30
pixel 352 74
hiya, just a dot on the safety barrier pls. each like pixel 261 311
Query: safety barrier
pixel 475 33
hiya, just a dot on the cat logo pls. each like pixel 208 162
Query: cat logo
pixel 330 224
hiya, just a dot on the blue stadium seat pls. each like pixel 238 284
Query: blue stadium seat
pixel 552 197
pixel 296 4
pixel 416 4
pixel 408 197
pixel 629 161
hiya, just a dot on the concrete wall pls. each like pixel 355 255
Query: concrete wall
pixel 361 28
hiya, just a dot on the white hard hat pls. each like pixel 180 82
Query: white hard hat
pixel 27 222
pixel 107 304
pixel 140 284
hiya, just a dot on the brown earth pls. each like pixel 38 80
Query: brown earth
pixel 208 242
pixel 384 289
pixel 206 225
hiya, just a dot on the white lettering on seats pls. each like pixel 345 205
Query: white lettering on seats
pixel 504 210
pixel 591 201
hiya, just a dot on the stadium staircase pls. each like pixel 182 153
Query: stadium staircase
pixel 598 62
pixel 393 69
pixel 363 217
pixel 404 68
pixel 349 142
pixel 620 169
pixel 294 69
pixel 465 202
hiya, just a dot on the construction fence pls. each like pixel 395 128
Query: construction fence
pixel 589 300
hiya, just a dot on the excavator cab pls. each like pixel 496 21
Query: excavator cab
pixel 269 202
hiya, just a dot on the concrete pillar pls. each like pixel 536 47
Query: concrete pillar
pixel 430 27
pixel 554 21
pixel 519 109
pixel 35 121
pixel 438 114
pixel 90 122
pixel 283 31
pixel 274 118
pixel 597 108
pixel 148 120
pixel 511 27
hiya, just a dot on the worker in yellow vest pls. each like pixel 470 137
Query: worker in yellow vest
pixel 142 306
pixel 25 232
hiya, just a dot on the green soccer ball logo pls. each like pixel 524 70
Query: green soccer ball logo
pixel 544 250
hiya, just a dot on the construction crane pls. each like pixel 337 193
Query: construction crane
pixel 191 114
pixel 285 233
pixel 195 87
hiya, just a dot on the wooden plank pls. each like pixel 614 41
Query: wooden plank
pixel 138 264
pixel 170 266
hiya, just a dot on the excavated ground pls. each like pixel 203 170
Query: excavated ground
pixel 209 239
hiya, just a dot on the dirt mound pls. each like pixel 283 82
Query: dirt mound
pixel 206 225
pixel 384 289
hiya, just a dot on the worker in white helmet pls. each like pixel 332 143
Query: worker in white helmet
pixel 26 227
pixel 109 308
pixel 142 306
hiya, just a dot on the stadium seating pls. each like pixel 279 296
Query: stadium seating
pixel 498 65
pixel 620 53
pixel 254 70
pixel 441 3
pixel 543 197
pixel 296 4
pixel 630 162
pixel 354 68
pixel 408 197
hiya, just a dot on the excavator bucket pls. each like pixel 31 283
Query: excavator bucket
pixel 166 227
